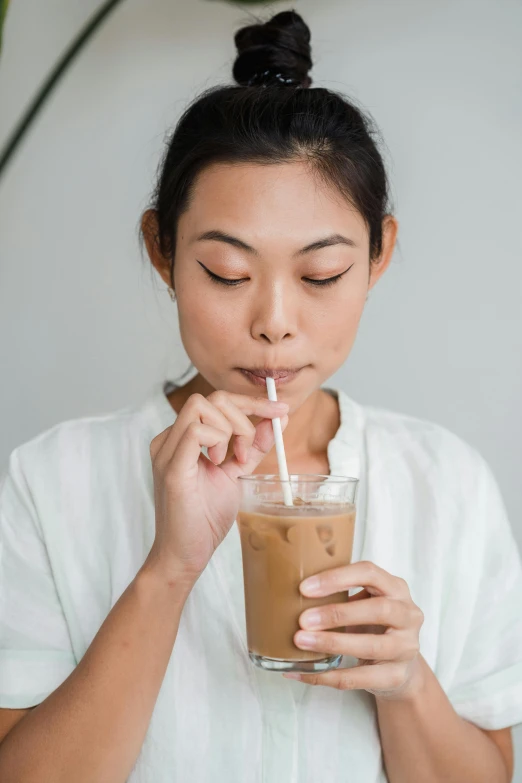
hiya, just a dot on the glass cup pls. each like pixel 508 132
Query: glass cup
pixel 282 545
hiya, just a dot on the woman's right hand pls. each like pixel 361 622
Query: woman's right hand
pixel 197 499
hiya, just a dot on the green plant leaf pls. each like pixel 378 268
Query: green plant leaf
pixel 3 12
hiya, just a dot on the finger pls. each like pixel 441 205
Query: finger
pixel 237 408
pixel 373 611
pixel 195 409
pixel 242 428
pixel 366 628
pixel 369 647
pixel 263 443
pixel 376 580
pixel 157 442
pixel 259 406
pixel 382 677
pixel 360 595
pixel 201 409
pixel 188 451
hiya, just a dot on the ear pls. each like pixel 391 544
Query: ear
pixel 149 229
pixel 390 228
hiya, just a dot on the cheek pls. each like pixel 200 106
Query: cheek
pixel 345 310
pixel 338 326
pixel 342 307
pixel 203 312
pixel 205 325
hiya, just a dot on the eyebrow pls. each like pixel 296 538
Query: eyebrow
pixel 221 236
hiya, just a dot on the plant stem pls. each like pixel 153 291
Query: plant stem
pixel 52 80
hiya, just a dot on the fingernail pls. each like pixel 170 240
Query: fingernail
pixel 305 639
pixel 312 619
pixel 292 676
pixel 279 404
pixel 311 585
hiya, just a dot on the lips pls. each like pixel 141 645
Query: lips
pixel 280 376
pixel 275 374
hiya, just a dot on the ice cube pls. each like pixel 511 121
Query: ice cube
pixel 256 541
pixel 325 533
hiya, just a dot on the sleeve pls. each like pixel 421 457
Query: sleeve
pixel 487 685
pixel 35 649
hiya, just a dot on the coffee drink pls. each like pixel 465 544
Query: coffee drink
pixel 281 546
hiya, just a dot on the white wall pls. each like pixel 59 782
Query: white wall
pixel 83 328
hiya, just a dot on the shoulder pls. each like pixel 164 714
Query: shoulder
pixel 420 444
pixel 75 444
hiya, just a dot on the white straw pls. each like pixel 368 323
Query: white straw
pixel 280 449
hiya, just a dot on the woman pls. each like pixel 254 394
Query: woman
pixel 123 643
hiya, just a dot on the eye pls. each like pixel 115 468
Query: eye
pixel 232 282
pixel 222 280
pixel 326 281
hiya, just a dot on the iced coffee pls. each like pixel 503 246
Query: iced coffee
pixel 283 545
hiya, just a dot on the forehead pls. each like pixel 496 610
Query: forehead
pixel 268 201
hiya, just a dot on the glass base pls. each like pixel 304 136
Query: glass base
pixel 279 665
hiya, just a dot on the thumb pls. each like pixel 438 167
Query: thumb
pixel 262 445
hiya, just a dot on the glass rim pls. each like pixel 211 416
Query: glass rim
pixel 298 477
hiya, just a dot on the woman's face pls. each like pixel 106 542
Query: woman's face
pixel 285 230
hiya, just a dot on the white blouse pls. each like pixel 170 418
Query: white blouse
pixel 76 524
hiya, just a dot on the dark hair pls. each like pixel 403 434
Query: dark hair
pixel 272 117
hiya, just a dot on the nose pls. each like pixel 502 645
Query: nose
pixel 275 317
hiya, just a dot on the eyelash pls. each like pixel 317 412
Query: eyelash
pixel 317 283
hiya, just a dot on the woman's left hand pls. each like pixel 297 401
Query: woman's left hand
pixel 382 630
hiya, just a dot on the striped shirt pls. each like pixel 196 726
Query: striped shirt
pixel 77 522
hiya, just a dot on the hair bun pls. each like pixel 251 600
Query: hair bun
pixel 277 51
